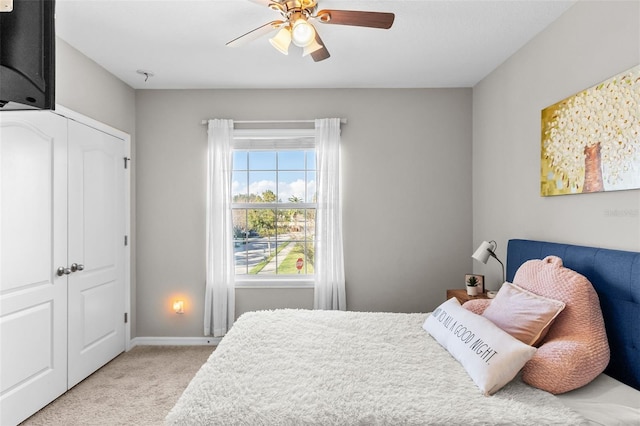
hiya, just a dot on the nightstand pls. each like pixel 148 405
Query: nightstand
pixel 462 296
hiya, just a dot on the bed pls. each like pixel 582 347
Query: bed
pixel 290 367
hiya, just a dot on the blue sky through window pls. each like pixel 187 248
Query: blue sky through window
pixel 286 173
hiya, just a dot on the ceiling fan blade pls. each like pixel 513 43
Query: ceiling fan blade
pixel 357 18
pixel 255 34
pixel 322 53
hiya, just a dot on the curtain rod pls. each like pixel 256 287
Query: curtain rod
pixel 342 121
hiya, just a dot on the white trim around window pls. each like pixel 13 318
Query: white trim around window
pixel 281 281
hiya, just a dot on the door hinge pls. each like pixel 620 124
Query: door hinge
pixel 126 162
pixel 126 240
pixel 126 317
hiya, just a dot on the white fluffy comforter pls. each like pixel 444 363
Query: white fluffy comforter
pixel 295 367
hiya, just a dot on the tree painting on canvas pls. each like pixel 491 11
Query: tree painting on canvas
pixel 591 140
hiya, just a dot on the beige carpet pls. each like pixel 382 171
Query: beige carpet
pixel 138 387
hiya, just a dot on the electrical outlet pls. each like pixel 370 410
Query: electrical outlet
pixel 6 5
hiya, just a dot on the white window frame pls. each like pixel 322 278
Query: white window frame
pixel 274 140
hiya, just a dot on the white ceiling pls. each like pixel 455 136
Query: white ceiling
pixel 445 43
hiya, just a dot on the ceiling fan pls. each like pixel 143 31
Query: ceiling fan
pixel 296 25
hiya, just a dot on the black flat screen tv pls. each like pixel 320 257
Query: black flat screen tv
pixel 27 55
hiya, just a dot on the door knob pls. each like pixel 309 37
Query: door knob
pixel 77 267
pixel 63 271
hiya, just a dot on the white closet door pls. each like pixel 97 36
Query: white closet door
pixel 96 242
pixel 33 244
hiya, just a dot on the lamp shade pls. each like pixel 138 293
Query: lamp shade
pixel 282 40
pixel 302 33
pixel 311 48
pixel 483 252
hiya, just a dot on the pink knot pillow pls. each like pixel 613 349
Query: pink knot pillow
pixel 575 349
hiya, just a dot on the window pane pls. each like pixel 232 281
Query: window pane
pixel 239 187
pixel 296 223
pixel 263 186
pixel 263 222
pixel 310 224
pixel 311 160
pixel 255 246
pixel 262 160
pixel 240 160
pixel 311 187
pixel 293 259
pixel 240 235
pixel 300 257
pixel 274 242
pixel 240 224
pixel 291 160
pixel 291 186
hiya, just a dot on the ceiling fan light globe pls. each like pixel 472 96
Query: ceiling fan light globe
pixel 281 41
pixel 302 33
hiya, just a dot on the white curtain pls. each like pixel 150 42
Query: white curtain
pixel 329 263
pixel 219 305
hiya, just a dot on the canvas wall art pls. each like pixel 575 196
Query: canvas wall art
pixel 591 140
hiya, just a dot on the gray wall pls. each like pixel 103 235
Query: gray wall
pixel 85 87
pixel 407 196
pixel 591 42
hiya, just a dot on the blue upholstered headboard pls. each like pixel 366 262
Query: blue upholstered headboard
pixel 615 275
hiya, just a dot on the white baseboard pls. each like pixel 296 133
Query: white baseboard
pixel 173 341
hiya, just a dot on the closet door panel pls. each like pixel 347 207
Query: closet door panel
pixel 33 245
pixel 96 241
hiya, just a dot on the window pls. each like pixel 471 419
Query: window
pixel 280 191
pixel 273 203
